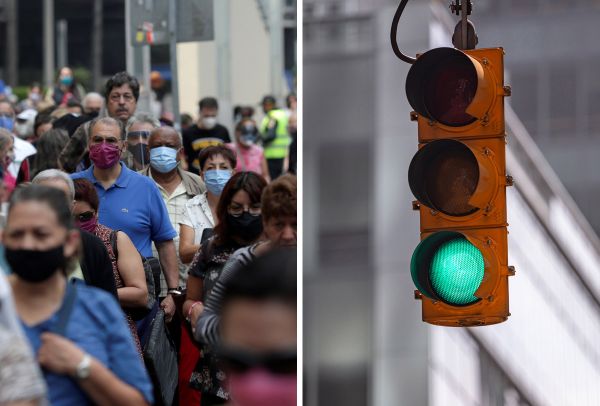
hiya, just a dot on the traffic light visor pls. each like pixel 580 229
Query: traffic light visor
pixel 448 267
pixel 442 84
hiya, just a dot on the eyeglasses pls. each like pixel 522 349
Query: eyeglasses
pixel 116 97
pixel 237 210
pixel 278 362
pixel 85 216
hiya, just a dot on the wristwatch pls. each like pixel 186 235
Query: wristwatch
pixel 174 292
pixel 84 368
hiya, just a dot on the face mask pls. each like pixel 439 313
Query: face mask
pixel 104 155
pixel 258 387
pixel 23 129
pixel 140 153
pixel 35 266
pixel 66 80
pixel 209 122
pixel 163 159
pixel 248 138
pixel 7 122
pixel 216 179
pixel 88 225
pixel 34 97
pixel 246 226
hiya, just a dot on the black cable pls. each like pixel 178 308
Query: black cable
pixel 394 32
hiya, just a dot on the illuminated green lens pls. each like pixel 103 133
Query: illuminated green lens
pixel 457 271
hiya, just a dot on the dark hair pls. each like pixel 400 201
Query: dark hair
pixel 215 150
pixel 288 99
pixel 41 118
pixel 85 191
pixel 208 102
pixel 186 119
pixel 251 183
pixel 53 197
pixel 270 276
pixel 279 198
pixel 120 79
pixel 74 103
pixel 242 123
pixel 49 147
pixel 70 122
pixel 106 121
pixel 269 99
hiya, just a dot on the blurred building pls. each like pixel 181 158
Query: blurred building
pixel 365 343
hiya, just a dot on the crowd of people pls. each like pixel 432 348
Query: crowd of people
pixel 142 265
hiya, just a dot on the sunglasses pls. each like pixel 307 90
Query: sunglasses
pixel 85 216
pixel 239 361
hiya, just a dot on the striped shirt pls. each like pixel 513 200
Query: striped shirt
pixel 207 327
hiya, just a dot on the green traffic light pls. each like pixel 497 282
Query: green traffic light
pixel 456 271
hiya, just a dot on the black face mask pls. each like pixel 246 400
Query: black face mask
pixel 246 226
pixel 35 266
pixel 140 153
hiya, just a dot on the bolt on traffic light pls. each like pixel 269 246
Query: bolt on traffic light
pixel 459 179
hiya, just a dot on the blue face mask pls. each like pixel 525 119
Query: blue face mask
pixel 66 80
pixel 163 159
pixel 216 179
pixel 7 122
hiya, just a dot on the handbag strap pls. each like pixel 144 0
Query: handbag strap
pixel 65 311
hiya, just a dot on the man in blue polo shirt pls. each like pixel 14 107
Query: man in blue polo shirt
pixel 130 202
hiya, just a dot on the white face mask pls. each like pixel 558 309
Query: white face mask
pixel 24 129
pixel 209 122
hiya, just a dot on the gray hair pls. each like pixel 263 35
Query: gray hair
pixel 106 121
pixel 55 174
pixel 90 96
pixel 143 118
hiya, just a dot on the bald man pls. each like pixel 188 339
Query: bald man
pixel 176 185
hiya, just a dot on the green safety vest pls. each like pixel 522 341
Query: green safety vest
pixel 278 148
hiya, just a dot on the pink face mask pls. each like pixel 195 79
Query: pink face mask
pixel 104 155
pixel 258 387
pixel 88 225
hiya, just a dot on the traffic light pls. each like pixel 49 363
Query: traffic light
pixel 459 179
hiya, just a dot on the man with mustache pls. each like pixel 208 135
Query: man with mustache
pixel 121 93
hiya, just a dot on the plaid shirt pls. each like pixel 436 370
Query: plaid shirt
pixel 175 207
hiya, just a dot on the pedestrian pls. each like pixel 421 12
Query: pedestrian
pixel 205 133
pixel 176 186
pixel 127 267
pixel 200 212
pixel 94 266
pixel 249 156
pixel 92 104
pixel 49 147
pixel 258 351
pixel 239 224
pixel 137 155
pixel 293 151
pixel 21 381
pixel 24 124
pixel 19 167
pixel 121 92
pixel 65 89
pixel 278 209
pixel 130 202
pixel 274 136
pixel 77 332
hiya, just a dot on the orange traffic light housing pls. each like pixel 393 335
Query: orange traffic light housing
pixel 459 178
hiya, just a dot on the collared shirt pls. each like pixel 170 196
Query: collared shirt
pixel 134 205
pixel 96 325
pixel 175 206
pixel 198 216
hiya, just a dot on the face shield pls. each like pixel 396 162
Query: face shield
pixel 137 145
